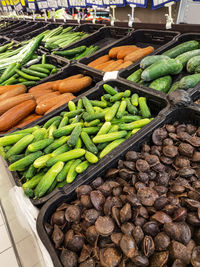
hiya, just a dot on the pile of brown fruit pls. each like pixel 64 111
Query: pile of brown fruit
pixel 145 212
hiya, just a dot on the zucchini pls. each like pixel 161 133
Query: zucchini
pixel 24 162
pixel 182 48
pixel 192 64
pixel 48 179
pixel 149 60
pixel 162 68
pixel 183 58
pixel 189 81
pixel 162 84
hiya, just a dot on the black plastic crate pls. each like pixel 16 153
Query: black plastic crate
pixel 141 38
pixel 123 74
pixel 102 38
pixel 157 105
pixel 18 27
pixel 187 115
pixel 13 26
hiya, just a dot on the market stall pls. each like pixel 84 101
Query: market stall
pixel 99 136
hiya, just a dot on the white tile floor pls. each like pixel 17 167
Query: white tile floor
pixel 18 247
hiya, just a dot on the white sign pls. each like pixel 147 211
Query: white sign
pixel 42 5
pixel 31 5
pixel 52 4
pixel 18 7
pixel 63 3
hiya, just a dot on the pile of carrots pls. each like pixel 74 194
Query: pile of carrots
pixel 120 57
pixel 18 107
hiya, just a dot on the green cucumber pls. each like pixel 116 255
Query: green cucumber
pixel 32 183
pixel 39 145
pixel 72 114
pixel 71 106
pixel 24 162
pixel 182 48
pixel 161 84
pixel 71 175
pixel 62 175
pixel 62 149
pixel 82 166
pixel 11 139
pixel 63 122
pixel 134 100
pixel 92 123
pixel 88 143
pixel 162 68
pixel 65 130
pixel 34 73
pixel 135 76
pixel 39 134
pixel 50 121
pixel 174 87
pixel 91 130
pixel 91 158
pixel 109 89
pixel 41 161
pixel 112 111
pixel 189 81
pixel 109 137
pixel 110 147
pixel 72 154
pixel 48 179
pixel 97 103
pixel 88 106
pixel 74 136
pixel 70 52
pixel 121 109
pixel 149 60
pixel 78 143
pixel 105 128
pixel 132 125
pixel 197 70
pixel 30 172
pixel 192 64
pixel 14 158
pixel 90 117
pixel 185 57
pixel 131 108
pixel 57 143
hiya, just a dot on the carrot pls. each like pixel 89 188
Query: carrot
pixel 98 61
pixel 6 88
pixel 45 105
pixel 11 117
pixel 62 102
pixel 75 85
pixel 46 96
pixel 26 121
pixel 113 52
pixel 124 65
pixel 43 86
pixel 126 51
pixel 13 92
pixel 39 93
pixel 10 102
pixel 138 54
pixel 101 66
pixel 113 65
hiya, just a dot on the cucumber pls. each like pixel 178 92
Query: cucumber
pixel 74 136
pixel 192 64
pixel 145 111
pixel 63 122
pixel 189 81
pixel 62 175
pixel 109 89
pixel 72 154
pixel 91 158
pixel 131 109
pixel 24 162
pixel 134 100
pixel 183 58
pixel 50 121
pixel 162 84
pixel 39 145
pixel 136 124
pixel 182 48
pixel 91 130
pixel 90 117
pixel 62 149
pixel 20 145
pixel 82 166
pixel 105 128
pixel 11 139
pixel 97 103
pixel 92 123
pixel 41 161
pixel 135 76
pixel 112 111
pixel 80 104
pixel 70 52
pixel 88 106
pixel 29 192
pixel 197 70
pixel 71 106
pixel 78 143
pixel 57 143
pixel 148 61
pixel 110 147
pixel 39 134
pixel 116 97
pixel 72 114
pixel 121 109
pixel 162 68
pixel 174 87
pixel 71 175
pixel 14 158
pixel 48 179
pixel 61 184
pixel 66 130
pixel 109 137
pixel 88 143
pixel 30 172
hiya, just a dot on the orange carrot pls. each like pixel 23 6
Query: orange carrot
pixel 124 65
pixel 62 102
pixel 113 52
pixel 138 54
pixel 46 96
pixel 126 51
pixel 103 65
pixel 113 65
pixel 98 61
pixel 75 85
pixel 56 83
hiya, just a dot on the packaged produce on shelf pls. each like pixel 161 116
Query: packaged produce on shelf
pixel 159 71
pixel 67 144
pixel 19 107
pixel 143 211
pixel 120 57
pixel 78 52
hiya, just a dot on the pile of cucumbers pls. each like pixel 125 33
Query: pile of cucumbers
pixel 60 38
pixel 52 155
pixel 77 53
pixel 156 71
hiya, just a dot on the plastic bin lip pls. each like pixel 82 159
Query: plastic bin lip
pixel 158 105
pixel 176 114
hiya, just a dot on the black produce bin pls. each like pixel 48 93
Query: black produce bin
pixel 141 38
pixel 186 115
pixel 13 26
pixel 157 105
pixel 123 74
pixel 102 38
pixel 19 27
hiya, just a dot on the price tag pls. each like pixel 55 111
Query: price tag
pixel 9 8
pixel 18 7
pixel 63 3
pixel 52 4
pixel 95 3
pixel 160 3
pixel 5 8
pixel 138 3
pixel 31 6
pixel 77 3
pixel 42 5
pixel 114 2
pixel 110 75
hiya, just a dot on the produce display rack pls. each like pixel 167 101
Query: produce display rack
pixel 163 108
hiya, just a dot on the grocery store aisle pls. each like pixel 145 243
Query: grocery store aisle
pixel 18 245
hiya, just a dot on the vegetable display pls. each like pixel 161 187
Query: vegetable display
pixel 77 53
pixel 157 71
pixel 67 144
pixel 120 57
pixel 19 107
